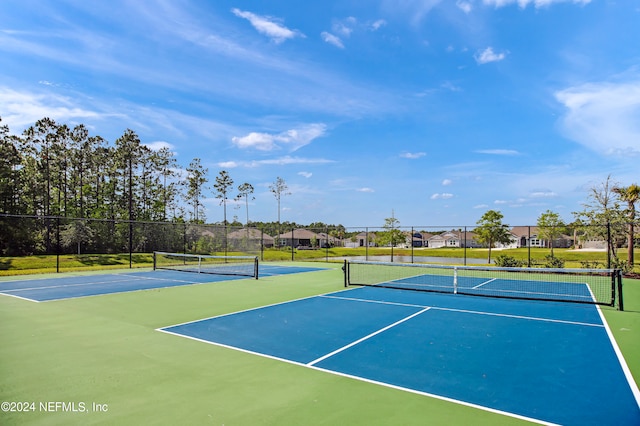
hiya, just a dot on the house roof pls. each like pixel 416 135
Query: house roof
pixel 524 231
pixel 299 233
pixel 252 233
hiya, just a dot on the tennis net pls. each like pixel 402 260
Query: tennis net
pixel 596 286
pixel 206 264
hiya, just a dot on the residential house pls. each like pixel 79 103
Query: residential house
pixel 528 236
pixel 361 240
pixel 454 238
pixel 299 238
pixel 250 236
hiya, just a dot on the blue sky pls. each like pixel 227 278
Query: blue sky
pixel 435 110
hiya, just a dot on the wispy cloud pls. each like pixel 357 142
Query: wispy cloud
pixel 543 194
pixel 465 6
pixel 416 9
pixel 268 26
pixel 228 164
pixel 332 39
pixel 23 108
pixel 305 174
pixel 603 116
pixel 447 182
pixel 443 196
pixel 342 29
pixel 536 3
pixel 158 145
pixel 376 25
pixel 291 139
pixel 284 161
pixel 365 189
pixel 498 151
pixel 412 155
pixel 488 55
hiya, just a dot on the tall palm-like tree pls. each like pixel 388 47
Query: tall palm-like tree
pixel 630 195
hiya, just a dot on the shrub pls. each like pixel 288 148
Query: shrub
pixel 504 260
pixel 551 261
pixel 591 264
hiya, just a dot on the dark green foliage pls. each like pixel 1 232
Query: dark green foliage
pixel 551 261
pixel 504 260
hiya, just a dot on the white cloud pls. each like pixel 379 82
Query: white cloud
pixel 268 26
pixel 158 145
pixel 447 182
pixel 412 155
pixel 498 151
pixel 21 109
pixel 292 139
pixel 332 39
pixel 416 9
pixel 543 194
pixel 481 206
pixel 287 160
pixel 536 3
pixel 228 164
pixel 344 27
pixel 365 190
pixel 305 174
pixel 604 117
pixel 488 55
pixel 376 25
pixel 443 196
pixel 465 6
pixel 447 85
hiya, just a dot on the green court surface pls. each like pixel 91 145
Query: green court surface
pixel 100 360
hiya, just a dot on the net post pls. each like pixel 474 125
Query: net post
pixel 154 261
pixel 345 269
pixel 455 280
pixel 619 279
pixel 255 267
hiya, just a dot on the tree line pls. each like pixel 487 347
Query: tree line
pixel 54 170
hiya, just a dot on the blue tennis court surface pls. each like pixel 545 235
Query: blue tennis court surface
pixel 548 362
pixel 48 289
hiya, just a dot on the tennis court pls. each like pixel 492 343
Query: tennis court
pixel 49 289
pixel 296 347
pixel 546 362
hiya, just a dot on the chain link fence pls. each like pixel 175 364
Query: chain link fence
pixel 69 243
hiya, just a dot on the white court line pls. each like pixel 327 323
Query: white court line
pixel 315 361
pixel 466 311
pixel 484 283
pixel 337 373
pixel 129 279
pixel 623 364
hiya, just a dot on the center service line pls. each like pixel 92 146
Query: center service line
pixel 366 337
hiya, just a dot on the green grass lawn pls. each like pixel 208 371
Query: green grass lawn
pixel 106 350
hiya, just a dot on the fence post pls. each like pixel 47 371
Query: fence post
pixel 58 244
pixel 412 245
pixel 529 246
pixel 609 245
pixel 292 250
pixel 465 245
pixel 366 243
